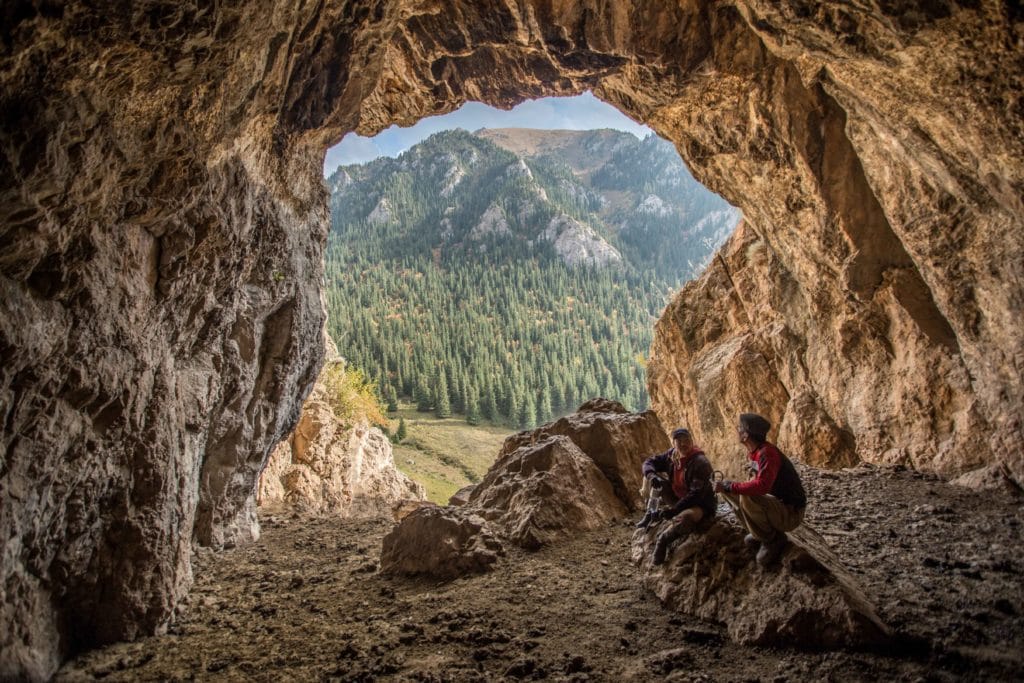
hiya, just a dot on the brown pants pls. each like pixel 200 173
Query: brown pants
pixel 764 516
pixel 686 522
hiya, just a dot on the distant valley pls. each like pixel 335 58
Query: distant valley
pixel 510 274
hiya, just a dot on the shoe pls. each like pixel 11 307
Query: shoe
pixel 646 521
pixel 771 551
pixel 660 552
pixel 751 542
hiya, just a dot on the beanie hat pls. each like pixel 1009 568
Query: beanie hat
pixel 756 426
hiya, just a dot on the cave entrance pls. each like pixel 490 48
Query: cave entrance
pixel 497 269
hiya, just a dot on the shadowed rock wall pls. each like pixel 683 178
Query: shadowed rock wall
pixel 163 220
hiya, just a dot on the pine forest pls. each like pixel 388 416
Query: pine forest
pixel 509 275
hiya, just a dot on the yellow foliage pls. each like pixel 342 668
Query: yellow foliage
pixel 351 396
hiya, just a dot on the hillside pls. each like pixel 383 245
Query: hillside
pixel 521 270
pixel 444 454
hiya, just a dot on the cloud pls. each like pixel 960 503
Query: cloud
pixel 583 112
pixel 353 149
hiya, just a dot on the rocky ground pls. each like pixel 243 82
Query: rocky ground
pixel 942 563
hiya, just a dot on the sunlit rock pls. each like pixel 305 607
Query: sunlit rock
pixel 617 440
pixel 543 492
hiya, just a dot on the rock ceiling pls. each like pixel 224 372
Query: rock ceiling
pixel 164 222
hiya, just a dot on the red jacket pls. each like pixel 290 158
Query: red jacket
pixel 690 480
pixel 775 475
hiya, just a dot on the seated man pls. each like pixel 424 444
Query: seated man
pixel 686 488
pixel 771 503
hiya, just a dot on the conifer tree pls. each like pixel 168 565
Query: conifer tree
pixel 442 403
pixel 545 412
pixel 400 433
pixel 472 408
pixel 422 395
pixel 528 413
pixel 489 406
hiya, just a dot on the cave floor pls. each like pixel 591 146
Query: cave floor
pixel 943 565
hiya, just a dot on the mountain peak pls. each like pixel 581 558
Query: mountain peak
pixel 582 150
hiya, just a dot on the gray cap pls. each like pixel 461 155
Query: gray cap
pixel 681 431
pixel 755 425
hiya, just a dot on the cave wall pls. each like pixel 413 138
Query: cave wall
pixel 164 221
pixel 868 307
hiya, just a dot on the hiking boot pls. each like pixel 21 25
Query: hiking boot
pixel 660 551
pixel 751 542
pixel 646 521
pixel 771 550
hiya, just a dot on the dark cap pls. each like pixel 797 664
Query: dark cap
pixel 755 425
pixel 681 431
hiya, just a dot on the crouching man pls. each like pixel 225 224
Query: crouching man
pixel 680 478
pixel 771 503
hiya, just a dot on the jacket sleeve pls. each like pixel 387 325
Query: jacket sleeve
pixel 698 484
pixel 657 463
pixel 768 465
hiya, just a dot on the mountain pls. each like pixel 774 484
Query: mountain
pixel 593 198
pixel 511 274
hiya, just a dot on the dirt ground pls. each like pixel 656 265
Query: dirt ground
pixel 943 565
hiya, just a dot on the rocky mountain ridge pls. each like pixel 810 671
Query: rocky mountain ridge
pixel 597 198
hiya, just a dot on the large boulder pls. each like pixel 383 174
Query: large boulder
pixel 545 492
pixel 807 601
pixel 616 440
pixel 441 543
pixel 542 491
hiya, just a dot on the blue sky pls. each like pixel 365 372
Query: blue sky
pixel 583 112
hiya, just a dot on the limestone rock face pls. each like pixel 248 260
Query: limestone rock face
pixel 544 492
pixel 808 601
pixel 164 218
pixel 439 542
pixel 327 466
pixel 578 244
pixel 617 440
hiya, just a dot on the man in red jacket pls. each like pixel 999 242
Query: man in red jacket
pixel 771 503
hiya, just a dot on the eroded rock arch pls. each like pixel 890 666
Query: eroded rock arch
pixel 164 221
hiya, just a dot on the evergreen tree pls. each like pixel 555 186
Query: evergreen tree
pixel 472 408
pixel 489 406
pixel 528 413
pixel 422 395
pixel 401 432
pixel 442 403
pixel 545 411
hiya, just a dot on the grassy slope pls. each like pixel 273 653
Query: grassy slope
pixel 445 455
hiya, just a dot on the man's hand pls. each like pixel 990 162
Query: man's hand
pixel 724 486
pixel 657 482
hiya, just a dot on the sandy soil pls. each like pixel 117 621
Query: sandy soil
pixel 943 564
